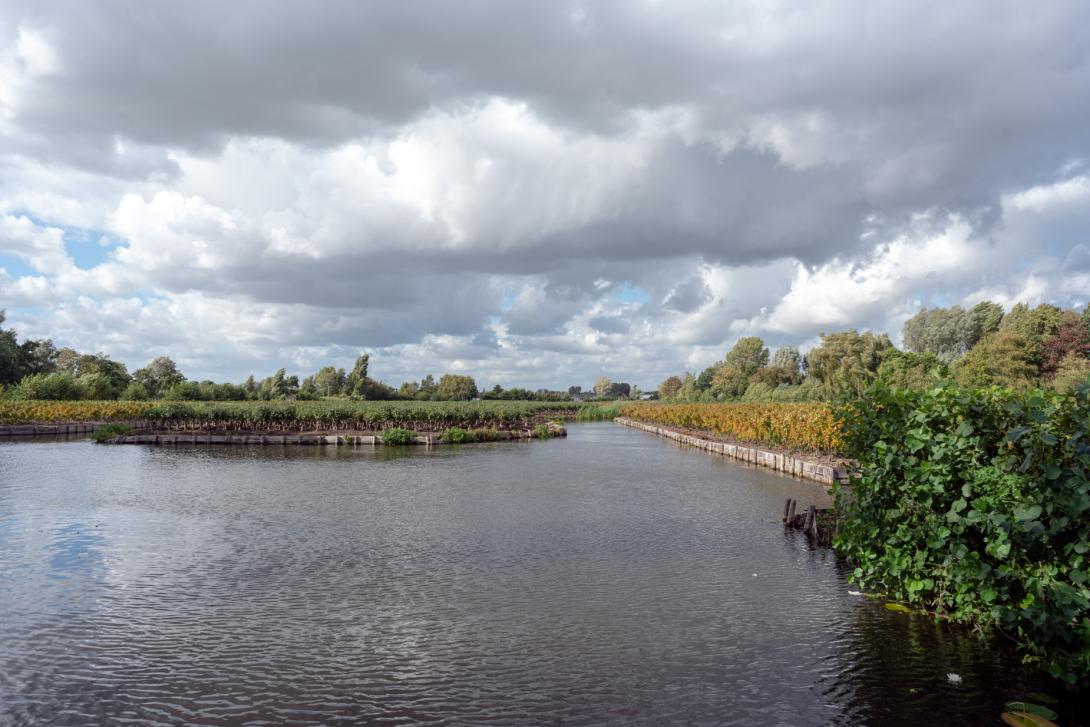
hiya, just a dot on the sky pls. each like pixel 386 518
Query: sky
pixel 532 193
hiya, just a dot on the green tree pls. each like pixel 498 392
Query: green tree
pixel 910 370
pixel 729 382
pixel 945 332
pixel 408 390
pixel 9 353
pixel 1072 371
pixel 987 317
pixel 1034 325
pixel 358 376
pixel 329 381
pixel 848 361
pixel 788 358
pixel 135 391
pixel 279 386
pixel 669 387
pixel 454 387
pixel 1085 318
pixel 747 355
pixel 1001 359
pixel 160 374
pixel 602 387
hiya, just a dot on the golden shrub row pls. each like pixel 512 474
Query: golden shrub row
pixel 803 426
pixel 71 411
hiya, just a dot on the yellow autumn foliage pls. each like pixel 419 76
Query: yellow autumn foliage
pixel 811 425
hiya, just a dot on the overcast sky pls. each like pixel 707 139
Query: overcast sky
pixel 531 193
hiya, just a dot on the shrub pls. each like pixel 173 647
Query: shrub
pixel 135 391
pixel 542 431
pixel 976 504
pixel 110 431
pixel 455 435
pixel 48 387
pixel 397 436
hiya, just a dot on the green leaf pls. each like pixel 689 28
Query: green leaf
pixel 1030 708
pixel 988 595
pixel 898 608
pixel 1031 512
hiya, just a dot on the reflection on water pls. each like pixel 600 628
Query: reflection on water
pixel 610 578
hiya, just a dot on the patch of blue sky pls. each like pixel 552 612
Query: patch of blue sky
pixel 87 247
pixel 16 266
pixel 632 294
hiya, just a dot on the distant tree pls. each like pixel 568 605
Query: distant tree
pixel 602 388
pixel 574 391
pixel 747 355
pixel 788 358
pixel 97 385
pixel 1085 318
pixel 669 387
pixel 729 382
pixel 135 391
pixel 688 390
pixel 987 317
pixel 329 381
pixel 619 390
pixel 1072 371
pixel 250 386
pixel 1001 359
pixel 161 374
pixel 357 377
pixel 1034 325
pixel 1070 338
pixel 703 382
pixel 849 360
pixel 9 353
pixel 945 332
pixel 192 391
pixel 454 387
pixel 910 370
pixel 37 357
pixel 774 376
pixel 408 390
pixel 278 386
pixel 428 388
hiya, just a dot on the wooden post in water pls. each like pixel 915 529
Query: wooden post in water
pixel 786 509
pixel 791 513
pixel 811 518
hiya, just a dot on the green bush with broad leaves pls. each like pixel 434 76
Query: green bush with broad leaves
pixel 975 503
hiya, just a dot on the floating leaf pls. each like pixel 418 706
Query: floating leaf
pixel 1025 719
pixel 1031 709
pixel 1042 697
pixel 898 607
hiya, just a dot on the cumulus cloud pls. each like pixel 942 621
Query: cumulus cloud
pixel 477 189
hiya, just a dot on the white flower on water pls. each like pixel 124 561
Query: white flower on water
pixel 953 678
pixel 855 593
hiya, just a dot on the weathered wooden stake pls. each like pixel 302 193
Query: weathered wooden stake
pixel 791 514
pixel 811 518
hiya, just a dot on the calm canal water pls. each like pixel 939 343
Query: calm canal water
pixel 609 578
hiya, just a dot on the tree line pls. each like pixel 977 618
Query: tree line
pixel 1026 347
pixel 36 369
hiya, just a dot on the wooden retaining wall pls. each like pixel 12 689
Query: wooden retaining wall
pixel 773 460
pixel 31 430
